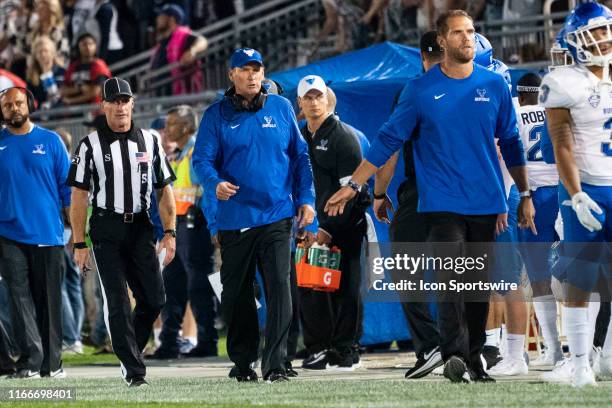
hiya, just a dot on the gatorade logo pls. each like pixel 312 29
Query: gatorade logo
pixel 327 278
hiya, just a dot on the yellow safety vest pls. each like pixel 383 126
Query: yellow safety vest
pixel 186 193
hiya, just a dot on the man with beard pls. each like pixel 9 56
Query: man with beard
pixel 33 169
pixel 458 109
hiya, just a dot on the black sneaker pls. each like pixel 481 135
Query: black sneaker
pixel 356 358
pixel 491 355
pixel 480 375
pixel 6 372
pixel 245 375
pixel 138 382
pixel 456 370
pixel 197 352
pixel 24 374
pixel 291 373
pixel 340 360
pixel 317 361
pixel 276 376
pixel 163 354
pixel 426 364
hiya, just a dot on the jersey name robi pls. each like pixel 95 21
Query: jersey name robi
pixel 531 124
pixel 590 105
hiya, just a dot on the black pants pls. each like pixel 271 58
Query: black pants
pixel 266 247
pixel 125 254
pixel 462 323
pixel 33 276
pixel 186 278
pixel 333 319
pixel 408 225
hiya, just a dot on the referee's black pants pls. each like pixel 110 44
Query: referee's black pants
pixel 462 317
pixel 186 278
pixel 33 276
pixel 266 247
pixel 333 319
pixel 408 225
pixel 125 254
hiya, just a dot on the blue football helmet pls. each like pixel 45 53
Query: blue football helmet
pixel 581 43
pixel 503 70
pixel 484 51
pixel 560 55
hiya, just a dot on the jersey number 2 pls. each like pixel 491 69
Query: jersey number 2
pixel 535 153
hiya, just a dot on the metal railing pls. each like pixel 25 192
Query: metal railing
pixel 74 118
pixel 265 27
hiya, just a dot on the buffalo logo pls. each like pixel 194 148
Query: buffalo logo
pixel 310 81
pixel 482 96
pixel 39 149
pixel 249 51
pixel 269 122
pixel 594 100
pixel 323 145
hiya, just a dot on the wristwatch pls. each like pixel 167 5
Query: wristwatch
pixel 171 232
pixel 354 186
pixel 525 194
pixel 80 245
pixel 380 196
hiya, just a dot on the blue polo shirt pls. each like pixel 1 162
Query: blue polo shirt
pixel 457 122
pixel 263 153
pixel 33 190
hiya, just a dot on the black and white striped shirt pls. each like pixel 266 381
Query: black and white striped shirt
pixel 120 170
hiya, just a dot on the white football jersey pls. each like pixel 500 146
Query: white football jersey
pixel 531 124
pixel 590 105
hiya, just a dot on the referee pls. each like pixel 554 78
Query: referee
pixel 117 166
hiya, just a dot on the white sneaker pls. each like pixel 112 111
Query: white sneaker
pixel 584 377
pixel 547 358
pixel 562 373
pixel 58 373
pixel 509 366
pixel 595 356
pixel 75 348
pixel 603 368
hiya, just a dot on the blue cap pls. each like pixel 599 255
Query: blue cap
pixel 173 10
pixel 158 123
pixel 243 56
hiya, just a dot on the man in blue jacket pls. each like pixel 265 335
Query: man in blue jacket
pixel 458 109
pixel 250 152
pixel 33 169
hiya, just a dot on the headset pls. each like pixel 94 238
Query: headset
pixel 237 101
pixel 29 95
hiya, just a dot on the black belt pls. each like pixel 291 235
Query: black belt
pixel 128 218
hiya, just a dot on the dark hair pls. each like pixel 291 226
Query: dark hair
pixel 429 46
pixel 186 115
pixel 442 21
pixel 529 83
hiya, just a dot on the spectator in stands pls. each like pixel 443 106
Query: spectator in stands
pixel 401 20
pixel 45 74
pixel 9 80
pixel 85 75
pixel 177 44
pixel 102 23
pixel 339 14
pixel 14 20
pixel 49 22
pixel 77 12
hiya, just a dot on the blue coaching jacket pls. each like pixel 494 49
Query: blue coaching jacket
pixel 263 153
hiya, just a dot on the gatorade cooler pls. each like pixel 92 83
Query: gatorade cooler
pixel 314 268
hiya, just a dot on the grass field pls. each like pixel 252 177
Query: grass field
pixel 199 392
pixel 203 384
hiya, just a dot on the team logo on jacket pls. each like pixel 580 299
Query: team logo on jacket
pixel 323 145
pixel 594 100
pixel 39 149
pixel 482 96
pixel 269 122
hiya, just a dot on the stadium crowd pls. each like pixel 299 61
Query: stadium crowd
pixel 184 189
